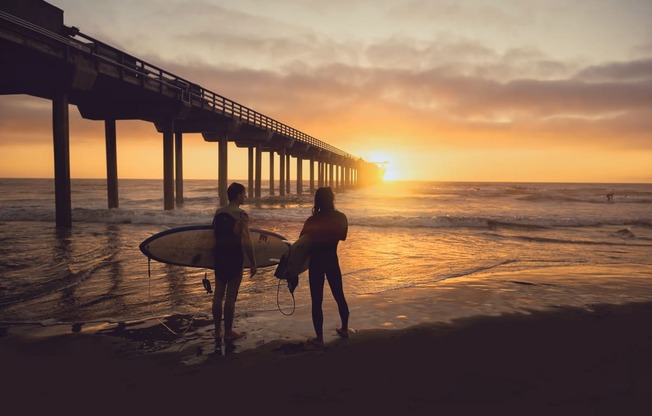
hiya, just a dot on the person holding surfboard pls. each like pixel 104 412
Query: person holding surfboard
pixel 231 228
pixel 325 228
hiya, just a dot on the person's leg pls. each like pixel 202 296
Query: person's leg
pixel 337 289
pixel 232 288
pixel 218 296
pixel 316 280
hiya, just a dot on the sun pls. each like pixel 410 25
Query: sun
pixel 391 174
pixel 386 161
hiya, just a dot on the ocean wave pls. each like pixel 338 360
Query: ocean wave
pixel 297 212
pixel 593 199
pixel 618 240
pixel 527 224
pixel 68 279
pixel 464 272
pixel 478 269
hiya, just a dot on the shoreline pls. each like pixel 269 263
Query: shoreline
pixel 564 361
pixel 472 345
pixel 482 294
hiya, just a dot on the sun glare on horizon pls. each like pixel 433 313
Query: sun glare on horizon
pixel 391 174
pixel 387 162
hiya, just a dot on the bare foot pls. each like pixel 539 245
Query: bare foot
pixel 232 335
pixel 344 333
pixel 315 342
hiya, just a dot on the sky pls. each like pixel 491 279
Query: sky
pixel 446 90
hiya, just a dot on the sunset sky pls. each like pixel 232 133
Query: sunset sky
pixel 475 90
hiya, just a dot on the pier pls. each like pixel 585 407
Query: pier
pixel 43 57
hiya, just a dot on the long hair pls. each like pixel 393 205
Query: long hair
pixel 324 201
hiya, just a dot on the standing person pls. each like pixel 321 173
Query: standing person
pixel 325 228
pixel 231 227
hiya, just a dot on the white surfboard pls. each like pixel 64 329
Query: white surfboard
pixel 194 245
pixel 295 260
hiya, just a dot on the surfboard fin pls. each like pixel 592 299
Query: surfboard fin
pixel 293 282
pixel 207 283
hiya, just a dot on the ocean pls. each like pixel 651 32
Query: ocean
pixel 401 234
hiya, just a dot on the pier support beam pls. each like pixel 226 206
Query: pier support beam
pixel 178 166
pixel 111 163
pixel 312 175
pixel 287 176
pixel 61 139
pixel 299 175
pixel 250 171
pixel 259 169
pixel 222 169
pixel 168 164
pixel 271 173
pixel 281 179
pixel 331 175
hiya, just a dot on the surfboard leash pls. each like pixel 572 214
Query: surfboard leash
pixel 278 303
pixel 149 302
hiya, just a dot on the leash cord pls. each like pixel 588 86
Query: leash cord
pixel 278 303
pixel 149 301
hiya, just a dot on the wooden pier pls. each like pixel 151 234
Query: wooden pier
pixel 45 58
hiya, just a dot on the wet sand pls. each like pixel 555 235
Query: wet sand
pixel 469 346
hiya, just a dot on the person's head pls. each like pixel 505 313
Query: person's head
pixel 234 191
pixel 324 200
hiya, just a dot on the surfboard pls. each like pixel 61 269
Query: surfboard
pixel 294 262
pixel 194 245
pixel 297 257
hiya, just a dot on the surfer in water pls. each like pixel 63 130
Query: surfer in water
pixel 325 228
pixel 231 227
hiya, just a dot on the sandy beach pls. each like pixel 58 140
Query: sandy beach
pixel 455 347
pixel 489 163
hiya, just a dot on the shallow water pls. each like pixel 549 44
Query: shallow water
pixel 401 235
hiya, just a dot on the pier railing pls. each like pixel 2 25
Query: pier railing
pixel 197 95
pixel 130 68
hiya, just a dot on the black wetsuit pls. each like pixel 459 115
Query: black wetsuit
pixel 325 231
pixel 229 255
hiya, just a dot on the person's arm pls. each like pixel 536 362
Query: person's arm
pixel 304 229
pixel 247 244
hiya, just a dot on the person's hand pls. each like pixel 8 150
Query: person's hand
pixel 252 271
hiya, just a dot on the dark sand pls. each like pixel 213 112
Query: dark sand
pixel 565 361
pixel 499 344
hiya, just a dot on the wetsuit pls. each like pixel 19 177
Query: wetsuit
pixel 325 231
pixel 229 260
pixel 229 256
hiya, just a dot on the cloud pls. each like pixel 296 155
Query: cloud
pixel 600 105
pixel 469 15
pixel 428 90
pixel 364 98
pixel 638 70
